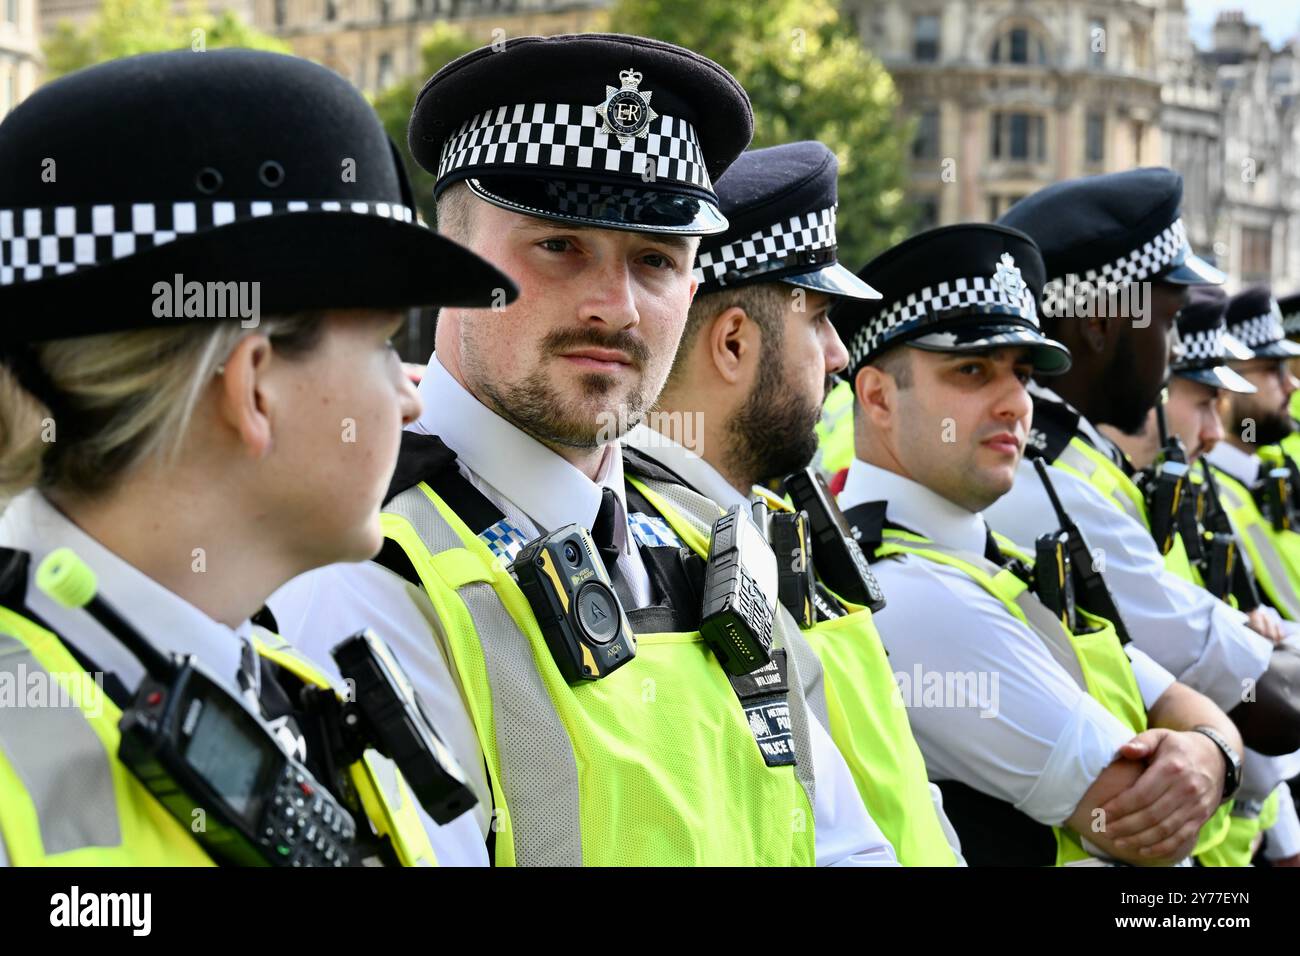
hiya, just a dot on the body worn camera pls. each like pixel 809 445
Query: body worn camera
pixel 385 713
pixel 1275 498
pixel 740 593
pixel 1054 577
pixel 837 557
pixel 790 535
pixel 204 753
pixel 1163 488
pixel 1164 483
pixel 564 579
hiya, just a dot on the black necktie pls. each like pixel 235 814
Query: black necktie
pixel 609 532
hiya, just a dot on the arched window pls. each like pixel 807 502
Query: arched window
pixel 1018 45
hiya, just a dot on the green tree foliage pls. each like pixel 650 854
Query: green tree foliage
pixel 809 77
pixel 443 44
pixel 127 27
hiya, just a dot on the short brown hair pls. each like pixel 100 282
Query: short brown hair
pixel 764 302
pixel 454 211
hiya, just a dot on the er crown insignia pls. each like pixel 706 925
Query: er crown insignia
pixel 626 111
pixel 1008 280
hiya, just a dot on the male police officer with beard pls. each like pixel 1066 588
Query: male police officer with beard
pixel 582 166
pixel 751 372
pixel 1108 238
pixel 1201 378
pixel 1081 747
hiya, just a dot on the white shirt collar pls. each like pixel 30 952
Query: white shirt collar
pixel 679 459
pixel 1241 465
pixel 914 507
pixel 32 524
pixel 544 486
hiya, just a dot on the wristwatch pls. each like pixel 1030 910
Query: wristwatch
pixel 1232 778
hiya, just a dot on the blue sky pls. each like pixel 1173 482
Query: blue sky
pixel 1278 19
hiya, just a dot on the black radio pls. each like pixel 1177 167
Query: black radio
pixel 212 762
pixel 1054 577
pixel 564 579
pixel 790 535
pixel 386 714
pixel 837 556
pixel 740 592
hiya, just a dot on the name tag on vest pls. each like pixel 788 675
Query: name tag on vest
pixel 764 694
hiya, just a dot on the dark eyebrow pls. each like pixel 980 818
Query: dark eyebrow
pixel 536 224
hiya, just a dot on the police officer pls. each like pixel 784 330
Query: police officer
pixel 1260 508
pixel 583 166
pixel 1202 377
pixel 191 298
pixel 1076 723
pixel 1289 306
pixel 1119 265
pixel 751 373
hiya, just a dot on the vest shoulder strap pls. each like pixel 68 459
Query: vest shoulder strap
pixel 1055 423
pixel 426 459
pixel 641 465
pixel 1008 588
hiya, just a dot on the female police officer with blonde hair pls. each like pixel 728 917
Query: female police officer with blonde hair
pixel 191 453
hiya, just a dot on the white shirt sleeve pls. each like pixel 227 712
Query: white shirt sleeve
pixel 317 610
pixel 1201 640
pixel 1284 835
pixel 1152 679
pixel 1033 738
pixel 843 832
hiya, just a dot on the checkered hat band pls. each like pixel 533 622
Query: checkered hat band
pixel 57 240
pixel 589 202
pixel 1259 331
pixel 1151 258
pixel 934 302
pixel 1291 323
pixel 766 248
pixel 1202 347
pixel 559 137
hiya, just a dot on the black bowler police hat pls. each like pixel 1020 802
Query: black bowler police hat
pixel 229 166
pixel 600 129
pixel 1113 229
pixel 1255 318
pixel 962 288
pixel 780 203
pixel 1289 306
pixel 1205 347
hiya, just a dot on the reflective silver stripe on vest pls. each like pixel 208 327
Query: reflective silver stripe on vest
pixel 1080 462
pixel 807 690
pixel 60 760
pixel 539 773
pixel 1041 620
pixel 1281 591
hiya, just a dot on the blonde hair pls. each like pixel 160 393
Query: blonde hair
pixel 123 398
